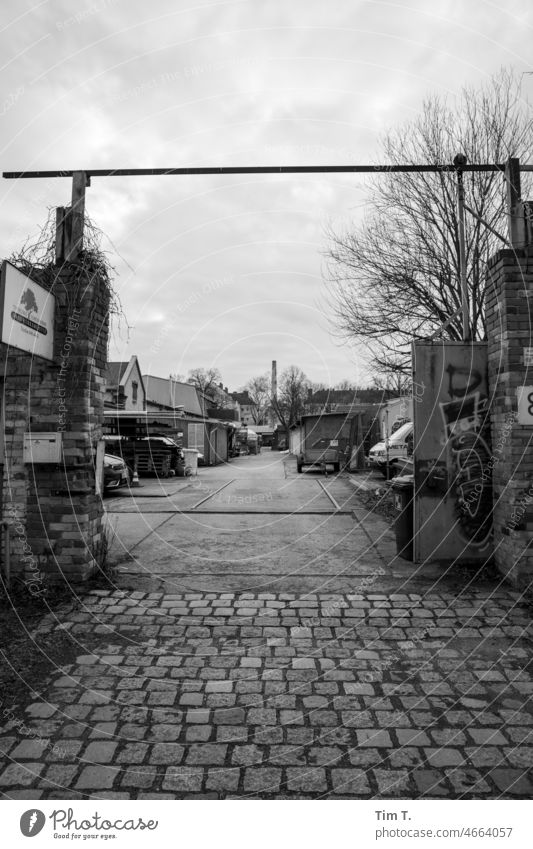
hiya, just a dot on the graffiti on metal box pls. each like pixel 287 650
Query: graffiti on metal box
pixel 467 435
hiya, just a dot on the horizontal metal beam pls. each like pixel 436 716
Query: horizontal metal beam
pixel 257 169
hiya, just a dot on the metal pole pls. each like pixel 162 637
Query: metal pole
pixel 77 213
pixel 459 162
pixel 516 222
pixel 263 169
pixel 387 450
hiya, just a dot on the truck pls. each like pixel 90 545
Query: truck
pixel 324 439
pixel 398 446
pixel 248 441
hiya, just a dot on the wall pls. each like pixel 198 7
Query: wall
pixel 295 440
pixel 218 443
pixel 134 376
pixel 509 329
pixel 55 512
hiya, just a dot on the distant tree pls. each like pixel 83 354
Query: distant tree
pixel 179 378
pixel 259 391
pixel 394 384
pixel 292 394
pixel 395 277
pixel 346 386
pixel 205 379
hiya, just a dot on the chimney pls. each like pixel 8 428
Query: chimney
pixel 274 379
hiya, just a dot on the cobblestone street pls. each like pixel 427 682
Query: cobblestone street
pixel 226 695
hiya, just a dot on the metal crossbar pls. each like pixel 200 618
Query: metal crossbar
pixel 260 169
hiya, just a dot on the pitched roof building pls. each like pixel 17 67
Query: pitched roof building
pixel 124 386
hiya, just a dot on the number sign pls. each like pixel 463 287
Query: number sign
pixel 524 395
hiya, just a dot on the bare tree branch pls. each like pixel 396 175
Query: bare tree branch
pixel 395 277
pixel 292 392
pixel 259 392
pixel 205 379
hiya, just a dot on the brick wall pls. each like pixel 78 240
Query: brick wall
pixel 56 515
pixel 510 329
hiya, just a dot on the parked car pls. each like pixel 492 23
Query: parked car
pixel 400 444
pixel 401 466
pixel 116 472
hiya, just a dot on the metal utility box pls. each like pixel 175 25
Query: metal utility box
pixel 42 447
pixel 452 453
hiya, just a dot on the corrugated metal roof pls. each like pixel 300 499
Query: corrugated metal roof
pixel 170 393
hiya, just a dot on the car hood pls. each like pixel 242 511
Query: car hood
pixel 112 459
pixel 379 446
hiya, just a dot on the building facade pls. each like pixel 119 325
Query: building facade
pixel 125 386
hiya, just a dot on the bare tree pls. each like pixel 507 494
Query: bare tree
pixel 292 392
pixel 205 379
pixel 394 384
pixel 259 391
pixel 395 278
pixel 345 386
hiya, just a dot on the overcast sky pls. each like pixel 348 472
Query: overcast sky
pixel 214 271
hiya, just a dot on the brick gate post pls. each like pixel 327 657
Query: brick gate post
pixel 56 514
pixel 509 314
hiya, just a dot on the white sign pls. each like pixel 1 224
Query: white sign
pixel 27 311
pixel 42 447
pixel 524 396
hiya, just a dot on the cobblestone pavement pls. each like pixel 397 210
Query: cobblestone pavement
pixel 226 695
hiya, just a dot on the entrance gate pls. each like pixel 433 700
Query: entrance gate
pixel 71 545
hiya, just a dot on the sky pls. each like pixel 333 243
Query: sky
pixel 227 272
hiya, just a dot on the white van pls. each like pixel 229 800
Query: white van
pixel 400 444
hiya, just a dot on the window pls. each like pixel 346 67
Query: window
pixel 134 390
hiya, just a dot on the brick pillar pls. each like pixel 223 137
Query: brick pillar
pixel 509 312
pixel 56 514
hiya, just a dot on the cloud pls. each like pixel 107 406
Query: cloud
pixel 116 84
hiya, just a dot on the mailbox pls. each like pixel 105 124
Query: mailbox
pixel 43 447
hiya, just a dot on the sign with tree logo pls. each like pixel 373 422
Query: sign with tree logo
pixel 27 313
